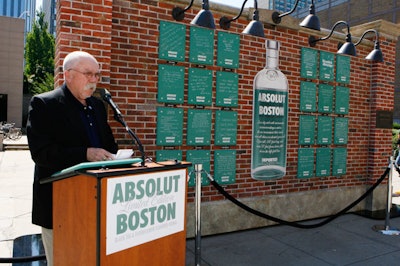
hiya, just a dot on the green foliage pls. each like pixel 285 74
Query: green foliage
pixel 40 86
pixel 395 135
pixel 39 55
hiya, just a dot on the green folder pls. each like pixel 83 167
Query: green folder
pixel 99 165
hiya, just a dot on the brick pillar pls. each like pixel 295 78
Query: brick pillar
pixel 84 25
pixel 381 98
pixel 381 94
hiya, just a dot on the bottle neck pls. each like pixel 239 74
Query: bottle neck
pixel 272 59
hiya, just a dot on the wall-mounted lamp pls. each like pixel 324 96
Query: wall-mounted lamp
pixel 310 22
pixel 347 48
pixel 376 54
pixel 203 19
pixel 255 27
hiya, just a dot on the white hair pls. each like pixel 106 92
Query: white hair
pixel 75 57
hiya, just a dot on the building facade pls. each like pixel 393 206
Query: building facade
pixel 25 9
pixel 11 69
pixel 49 9
pixel 125 38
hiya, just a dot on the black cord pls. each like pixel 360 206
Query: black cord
pixel 23 259
pixel 296 224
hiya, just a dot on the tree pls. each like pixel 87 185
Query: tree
pixel 39 55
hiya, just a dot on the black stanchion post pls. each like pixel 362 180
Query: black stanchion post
pixel 198 170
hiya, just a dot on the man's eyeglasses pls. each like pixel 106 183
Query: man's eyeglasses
pixel 89 75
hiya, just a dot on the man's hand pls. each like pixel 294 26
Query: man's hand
pixel 98 154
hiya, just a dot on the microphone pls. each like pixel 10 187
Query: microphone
pixel 106 95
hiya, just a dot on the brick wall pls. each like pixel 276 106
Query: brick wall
pixel 123 35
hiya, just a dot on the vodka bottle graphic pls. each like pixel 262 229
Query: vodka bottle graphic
pixel 270 105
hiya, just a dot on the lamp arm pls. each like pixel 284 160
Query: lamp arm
pixel 188 7
pixel 178 13
pixel 225 22
pixel 330 34
pixel 365 33
pixel 290 11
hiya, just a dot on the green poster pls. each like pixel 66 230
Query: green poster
pixel 227 89
pixel 339 161
pixel 198 127
pixel 341 130
pixel 225 166
pixel 170 84
pixel 228 50
pixel 308 96
pixel 325 98
pixel 323 162
pixel 168 155
pixel 172 41
pixel 324 135
pixel 198 157
pixel 169 126
pixel 343 69
pixel 306 129
pixel 309 63
pixel 200 86
pixel 225 128
pixel 326 66
pixel 305 163
pixel 201 49
pixel 342 100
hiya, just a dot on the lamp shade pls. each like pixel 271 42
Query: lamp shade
pixel 375 55
pixel 254 28
pixel 348 48
pixel 204 19
pixel 311 22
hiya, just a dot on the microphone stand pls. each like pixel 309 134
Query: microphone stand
pixel 120 119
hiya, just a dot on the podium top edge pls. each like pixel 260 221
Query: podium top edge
pixel 112 172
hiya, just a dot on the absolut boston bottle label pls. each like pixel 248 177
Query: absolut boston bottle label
pixel 269 134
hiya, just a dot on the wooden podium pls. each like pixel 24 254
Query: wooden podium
pixel 121 216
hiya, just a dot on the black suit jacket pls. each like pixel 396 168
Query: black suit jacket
pixel 58 139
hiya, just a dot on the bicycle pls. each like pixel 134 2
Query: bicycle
pixel 9 131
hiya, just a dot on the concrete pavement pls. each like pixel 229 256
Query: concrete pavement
pixel 348 240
